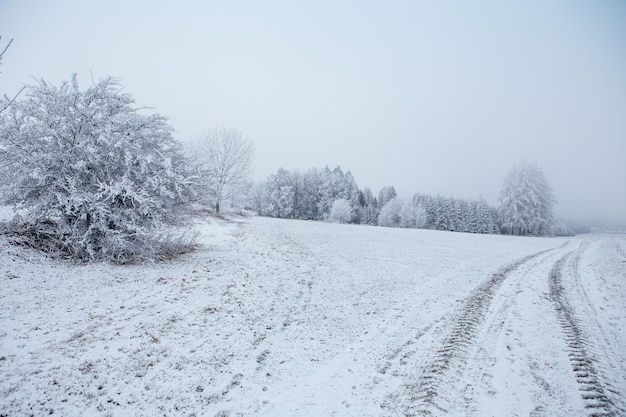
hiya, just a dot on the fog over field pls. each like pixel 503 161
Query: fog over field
pixel 353 208
pixel 428 97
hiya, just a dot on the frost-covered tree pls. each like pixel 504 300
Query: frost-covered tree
pixel 462 221
pixel 223 160
pixel 336 185
pixel 385 195
pixel 299 202
pixel 280 195
pixel 340 212
pixel 259 198
pixel 313 192
pixel 308 196
pixel 526 202
pixel 486 218
pixel 242 197
pixel 89 174
pixel 419 214
pixel 408 214
pixel 442 213
pixel 368 207
pixel 401 213
pixel 390 214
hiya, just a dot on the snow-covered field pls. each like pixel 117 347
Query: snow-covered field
pixel 291 318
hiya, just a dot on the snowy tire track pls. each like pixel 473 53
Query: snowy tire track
pixel 425 393
pixel 595 391
pixel 460 363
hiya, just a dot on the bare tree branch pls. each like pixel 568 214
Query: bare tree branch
pixel 9 101
pixel 5 48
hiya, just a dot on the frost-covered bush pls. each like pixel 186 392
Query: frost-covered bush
pixel 340 211
pixel 90 175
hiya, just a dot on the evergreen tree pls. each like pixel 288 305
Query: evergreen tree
pixel 442 213
pixel 369 208
pixel 526 202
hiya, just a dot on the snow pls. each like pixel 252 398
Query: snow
pixel 292 318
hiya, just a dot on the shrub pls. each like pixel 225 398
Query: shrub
pixel 89 174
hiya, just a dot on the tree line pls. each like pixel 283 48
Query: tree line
pixel 333 195
pixel 91 177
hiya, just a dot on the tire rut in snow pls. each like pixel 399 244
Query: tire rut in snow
pixel 592 386
pixel 424 394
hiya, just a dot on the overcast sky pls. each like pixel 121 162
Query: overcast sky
pixel 439 97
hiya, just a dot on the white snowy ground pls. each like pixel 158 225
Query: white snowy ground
pixel 291 318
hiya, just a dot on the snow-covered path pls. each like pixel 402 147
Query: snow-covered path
pixel 291 318
pixel 517 346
